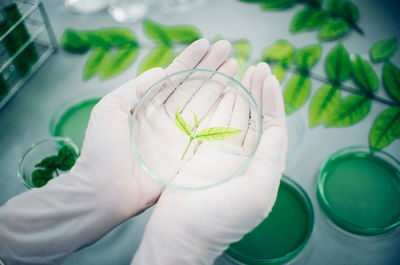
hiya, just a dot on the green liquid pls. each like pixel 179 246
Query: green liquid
pixel 363 191
pixel 285 229
pixel 74 121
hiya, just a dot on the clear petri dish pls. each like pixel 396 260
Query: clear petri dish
pixel 72 118
pixel 296 133
pixel 283 234
pixel 203 99
pixel 30 160
pixel 359 190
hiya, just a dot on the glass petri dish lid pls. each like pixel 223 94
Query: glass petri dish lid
pixel 195 129
pixel 283 234
pixel 359 190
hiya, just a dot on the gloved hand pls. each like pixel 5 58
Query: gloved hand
pixel 104 188
pixel 195 226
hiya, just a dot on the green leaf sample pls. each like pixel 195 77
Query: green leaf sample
pixel 40 177
pixel 323 103
pixel 364 74
pixel 155 31
pixel 333 29
pixel 351 110
pixel 279 51
pixel 241 52
pixel 66 158
pixel 349 12
pixel 385 129
pixel 309 18
pixel 279 71
pixel 391 80
pixel 114 49
pixel 338 64
pixel 306 57
pixel 48 162
pixel 182 34
pixel 159 56
pixel 276 5
pixel 296 92
pixel 209 134
pixel 383 50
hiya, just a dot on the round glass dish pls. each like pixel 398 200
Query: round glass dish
pixel 283 234
pixel 170 122
pixel 359 190
pixel 72 118
pixel 32 160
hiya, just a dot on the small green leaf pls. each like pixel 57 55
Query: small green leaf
pixel 391 80
pixel 196 120
pixel 349 12
pixel 66 158
pixel 108 37
pixel 276 5
pixel 48 163
pixel 306 19
pixel 334 7
pixel 364 74
pixel 159 56
pixel 156 32
pixel 351 110
pixel 182 34
pixel 181 123
pixel 306 57
pixel 95 63
pixel 216 133
pixel 40 177
pixel 333 29
pixel 280 50
pixel 385 129
pixel 383 50
pixel 314 3
pixel 279 71
pixel 338 64
pixel 75 41
pixel 324 101
pixel 122 59
pixel 296 92
pixel 241 51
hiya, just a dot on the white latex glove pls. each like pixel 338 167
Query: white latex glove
pixel 103 189
pixel 195 226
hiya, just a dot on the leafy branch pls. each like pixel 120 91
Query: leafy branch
pixel 328 106
pixel 209 134
pixel 49 166
pixel 332 20
pixel 112 50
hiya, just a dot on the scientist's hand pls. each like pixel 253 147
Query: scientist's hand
pixel 195 226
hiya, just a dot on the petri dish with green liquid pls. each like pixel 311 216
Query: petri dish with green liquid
pixel 359 190
pixel 283 234
pixel 72 120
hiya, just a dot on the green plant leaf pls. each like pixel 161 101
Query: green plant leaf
pixel 351 110
pixel 364 74
pixel 241 52
pixel 324 101
pixel 275 5
pixel 306 57
pixel 391 80
pixel 196 120
pixel 95 63
pixel 159 56
pixel 182 34
pixel 279 71
pixel 306 19
pixel 156 32
pixel 386 128
pixel 383 50
pixel 338 64
pixel 216 133
pixel 181 123
pixel 349 12
pixel 66 158
pixel 48 163
pixel 296 92
pixel 279 51
pixel 75 41
pixel 40 177
pixel 334 7
pixel 314 3
pixel 121 60
pixel 333 29
pixel 108 37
